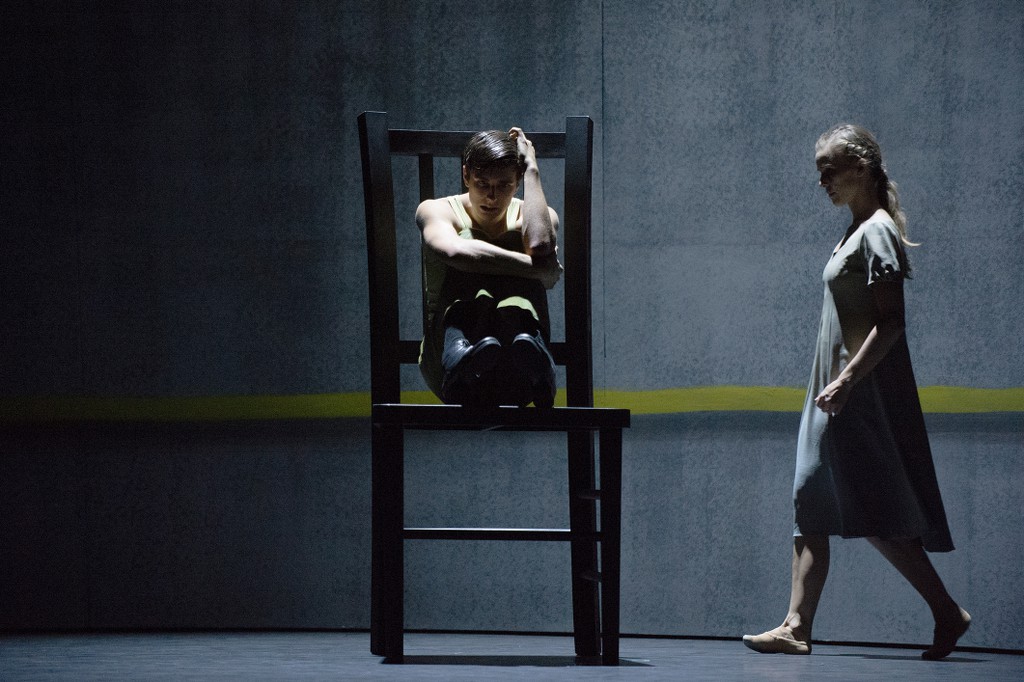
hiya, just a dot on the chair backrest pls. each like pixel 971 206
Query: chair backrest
pixel 388 351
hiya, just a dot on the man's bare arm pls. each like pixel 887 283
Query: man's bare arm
pixel 540 222
pixel 435 220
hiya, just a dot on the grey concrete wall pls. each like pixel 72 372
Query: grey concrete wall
pixel 720 104
pixel 182 216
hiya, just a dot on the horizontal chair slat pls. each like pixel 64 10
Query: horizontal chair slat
pixel 409 352
pixel 499 418
pixel 519 534
pixel 451 143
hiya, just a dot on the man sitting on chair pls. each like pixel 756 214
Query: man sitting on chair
pixel 489 258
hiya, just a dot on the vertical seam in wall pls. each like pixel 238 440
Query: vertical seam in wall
pixel 604 243
pixel 74 26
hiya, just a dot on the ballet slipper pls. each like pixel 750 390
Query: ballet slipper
pixel 946 636
pixel 781 640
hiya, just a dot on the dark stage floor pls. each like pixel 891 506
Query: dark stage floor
pixel 345 656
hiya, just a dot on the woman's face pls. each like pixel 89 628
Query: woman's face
pixel 840 175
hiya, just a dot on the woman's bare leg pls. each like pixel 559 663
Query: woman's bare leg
pixel 910 559
pixel 811 555
pixel 810 569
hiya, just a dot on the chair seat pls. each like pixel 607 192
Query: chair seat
pixel 448 417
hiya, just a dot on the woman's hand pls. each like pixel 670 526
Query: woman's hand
pixel 832 400
pixel 889 303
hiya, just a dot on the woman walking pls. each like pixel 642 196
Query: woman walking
pixel 864 466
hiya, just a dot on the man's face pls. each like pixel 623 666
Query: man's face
pixel 491 191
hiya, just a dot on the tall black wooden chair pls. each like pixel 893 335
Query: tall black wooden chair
pixel 595 586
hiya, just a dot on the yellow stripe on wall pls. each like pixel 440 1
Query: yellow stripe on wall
pixel 934 399
pixel 958 400
pixel 185 409
pixel 705 399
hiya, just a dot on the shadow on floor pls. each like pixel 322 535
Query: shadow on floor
pixel 908 657
pixel 511 661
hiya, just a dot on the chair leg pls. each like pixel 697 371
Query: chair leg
pixel 376 545
pixel 583 520
pixel 387 579
pixel 611 541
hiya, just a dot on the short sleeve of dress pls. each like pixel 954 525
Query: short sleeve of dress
pixel 884 259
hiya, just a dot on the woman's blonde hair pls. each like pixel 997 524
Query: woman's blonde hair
pixel 860 145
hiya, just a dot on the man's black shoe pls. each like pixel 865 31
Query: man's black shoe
pixel 532 360
pixel 466 370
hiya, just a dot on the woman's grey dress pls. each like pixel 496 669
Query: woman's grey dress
pixel 867 471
